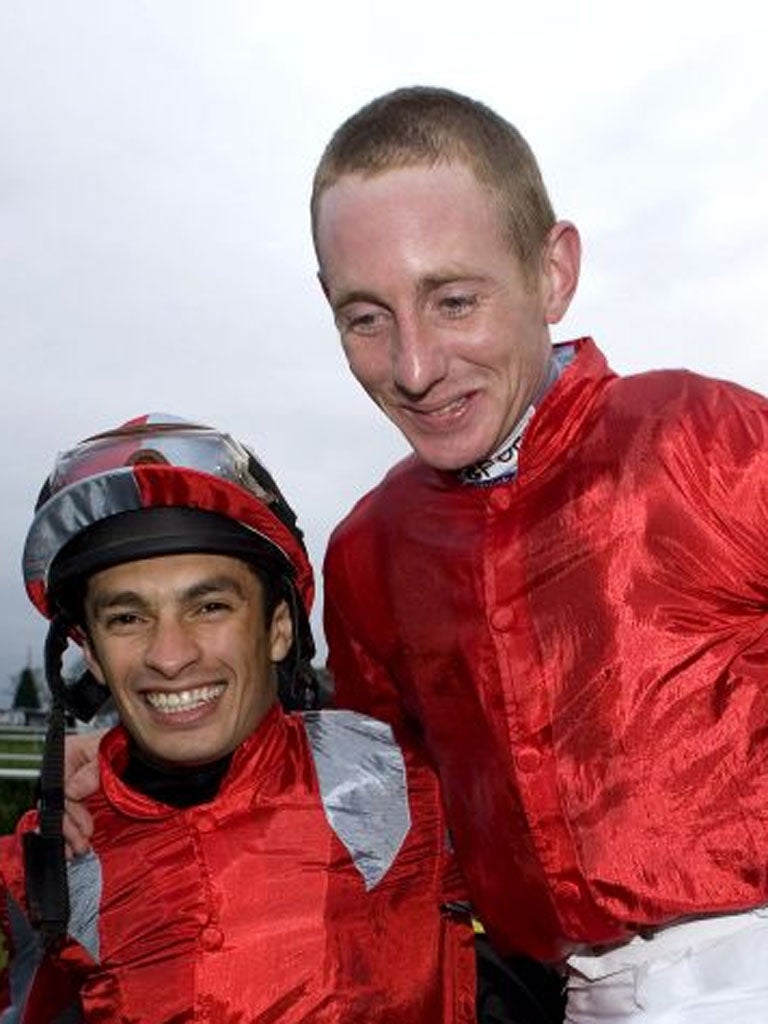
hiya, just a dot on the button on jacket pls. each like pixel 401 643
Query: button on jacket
pixel 309 890
pixel 584 648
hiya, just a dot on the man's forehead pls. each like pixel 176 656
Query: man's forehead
pixel 436 220
pixel 361 206
pixel 179 573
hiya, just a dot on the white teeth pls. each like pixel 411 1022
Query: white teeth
pixel 450 407
pixel 172 702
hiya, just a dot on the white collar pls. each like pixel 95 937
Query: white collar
pixel 501 464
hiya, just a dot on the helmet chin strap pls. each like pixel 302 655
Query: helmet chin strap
pixel 298 688
pixel 45 863
pixel 86 696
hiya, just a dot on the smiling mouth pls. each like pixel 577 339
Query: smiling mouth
pixel 436 414
pixel 449 408
pixel 174 702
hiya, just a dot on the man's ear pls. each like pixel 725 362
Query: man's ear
pixel 280 632
pixel 560 265
pixel 92 662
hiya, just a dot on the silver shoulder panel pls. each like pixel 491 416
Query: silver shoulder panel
pixel 85 887
pixel 364 787
pixel 27 954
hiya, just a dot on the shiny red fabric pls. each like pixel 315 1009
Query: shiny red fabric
pixel 187 488
pixel 585 651
pixel 250 909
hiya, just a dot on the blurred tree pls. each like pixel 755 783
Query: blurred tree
pixel 27 694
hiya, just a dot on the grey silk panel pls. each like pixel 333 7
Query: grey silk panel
pixel 74 508
pixel 363 785
pixel 85 883
pixel 85 887
pixel 27 954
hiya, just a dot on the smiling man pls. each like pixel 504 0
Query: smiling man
pixel 246 864
pixel 565 584
pixel 199 618
pixel 446 333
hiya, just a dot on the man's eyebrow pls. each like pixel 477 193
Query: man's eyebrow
pixel 213 585
pixel 203 588
pixel 354 295
pixel 122 598
pixel 450 276
pixel 425 285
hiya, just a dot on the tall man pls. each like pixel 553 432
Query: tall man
pixel 563 588
pixel 247 865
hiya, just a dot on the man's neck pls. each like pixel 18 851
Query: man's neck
pixel 501 464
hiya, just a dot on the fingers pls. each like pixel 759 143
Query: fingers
pixel 80 749
pixel 81 780
pixel 77 827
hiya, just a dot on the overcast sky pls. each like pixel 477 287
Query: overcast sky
pixel 155 163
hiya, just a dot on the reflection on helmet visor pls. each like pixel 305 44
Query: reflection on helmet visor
pixel 183 446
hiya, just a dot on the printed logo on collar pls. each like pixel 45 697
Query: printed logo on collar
pixel 502 464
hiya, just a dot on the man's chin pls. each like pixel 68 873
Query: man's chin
pixel 184 754
pixel 447 456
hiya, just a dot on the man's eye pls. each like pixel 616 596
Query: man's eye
pixel 457 305
pixel 363 321
pixel 367 322
pixel 122 620
pixel 213 607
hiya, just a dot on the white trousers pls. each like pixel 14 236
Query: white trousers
pixel 713 970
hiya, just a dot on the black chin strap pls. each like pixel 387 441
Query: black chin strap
pixel 45 863
pixel 298 688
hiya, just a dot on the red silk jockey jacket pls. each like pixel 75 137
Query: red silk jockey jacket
pixel 309 890
pixel 585 650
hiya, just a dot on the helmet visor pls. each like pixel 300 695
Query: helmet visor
pixel 172 444
pixel 158 461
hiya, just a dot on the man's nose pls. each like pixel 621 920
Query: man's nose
pixel 419 359
pixel 172 648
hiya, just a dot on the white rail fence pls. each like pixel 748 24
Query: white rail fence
pixel 20 751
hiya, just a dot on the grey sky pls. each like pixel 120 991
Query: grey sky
pixel 155 161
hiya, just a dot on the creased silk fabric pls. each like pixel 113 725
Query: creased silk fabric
pixel 585 651
pixel 251 909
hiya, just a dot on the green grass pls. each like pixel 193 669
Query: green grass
pixel 16 795
pixel 21 744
